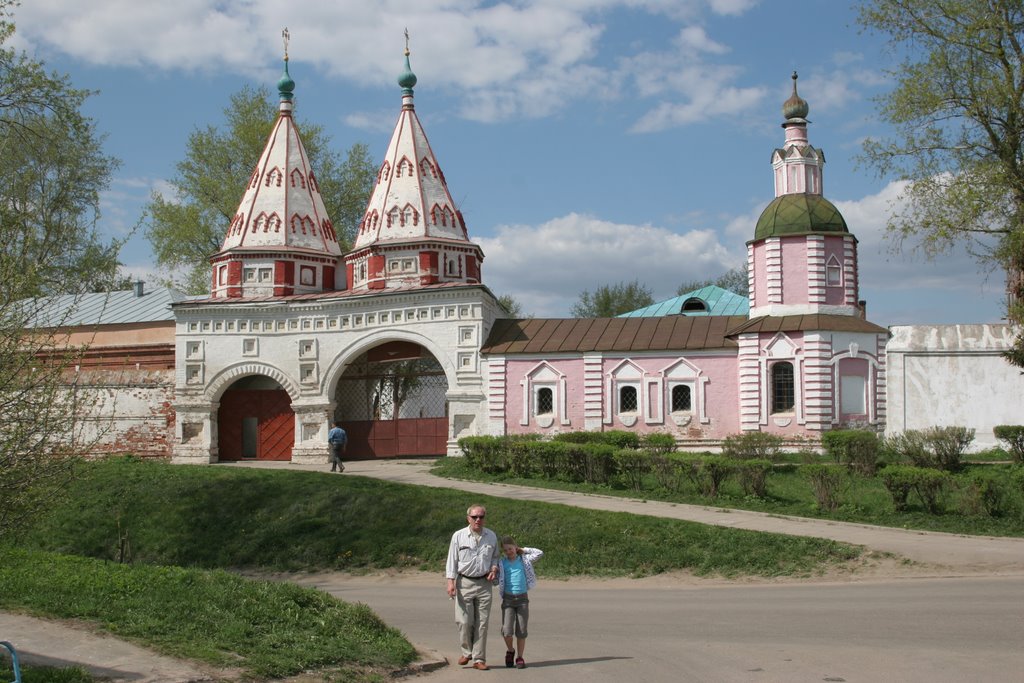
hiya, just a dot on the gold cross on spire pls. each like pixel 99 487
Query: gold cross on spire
pixel 286 36
pixel 406 42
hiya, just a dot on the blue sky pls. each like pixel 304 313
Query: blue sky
pixel 588 142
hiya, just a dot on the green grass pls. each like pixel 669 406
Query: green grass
pixel 272 520
pixel 267 629
pixel 864 500
pixel 186 531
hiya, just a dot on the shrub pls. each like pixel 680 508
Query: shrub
pixel 549 458
pixel 939 448
pixel 752 446
pixel 621 438
pixel 519 457
pixel 658 442
pixel 948 445
pixel 981 494
pixel 669 471
pixel 1013 436
pixel 753 476
pixel 899 482
pixel 855 448
pixel 826 481
pixel 484 453
pixel 614 437
pixel 598 462
pixel 928 483
pixel 908 447
pixel 930 486
pixel 574 460
pixel 632 465
pixel 711 473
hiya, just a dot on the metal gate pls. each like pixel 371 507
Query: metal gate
pixel 393 408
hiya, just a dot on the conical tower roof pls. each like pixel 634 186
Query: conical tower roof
pixel 280 240
pixel 411 200
pixel 282 207
pixel 412 234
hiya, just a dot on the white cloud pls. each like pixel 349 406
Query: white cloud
pixel 546 267
pixel 502 61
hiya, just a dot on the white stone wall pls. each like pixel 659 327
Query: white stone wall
pixel 952 375
pixel 306 346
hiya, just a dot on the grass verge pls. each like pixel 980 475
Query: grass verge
pixel 862 499
pixel 265 629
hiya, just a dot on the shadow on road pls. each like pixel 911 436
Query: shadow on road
pixel 566 662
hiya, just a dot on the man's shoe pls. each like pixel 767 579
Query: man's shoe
pixel 510 659
pixel 463 661
pixel 480 666
pixel 520 664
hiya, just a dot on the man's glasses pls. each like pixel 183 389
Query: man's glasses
pixel 476 516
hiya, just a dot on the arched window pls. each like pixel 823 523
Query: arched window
pixel 297 179
pixel 783 387
pixel 545 401
pixel 628 399
pixel 694 304
pixel 274 176
pixel 681 399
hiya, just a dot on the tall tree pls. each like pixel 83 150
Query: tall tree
pixel 734 280
pixel 609 301
pixel 52 170
pixel 511 306
pixel 188 227
pixel 957 110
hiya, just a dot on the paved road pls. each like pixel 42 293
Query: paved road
pixel 913 631
pixel 671 628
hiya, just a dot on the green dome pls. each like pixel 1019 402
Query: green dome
pixel 407 79
pixel 799 214
pixel 285 86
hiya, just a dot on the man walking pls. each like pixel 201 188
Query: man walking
pixel 338 440
pixel 471 569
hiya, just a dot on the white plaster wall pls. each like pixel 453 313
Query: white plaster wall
pixel 218 343
pixel 953 375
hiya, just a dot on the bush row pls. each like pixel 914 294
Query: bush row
pixel 625 459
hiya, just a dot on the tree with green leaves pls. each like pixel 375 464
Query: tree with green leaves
pixel 512 307
pixel 957 111
pixel 733 280
pixel 609 301
pixel 52 171
pixel 187 227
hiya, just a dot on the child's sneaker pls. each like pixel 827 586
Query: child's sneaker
pixel 509 656
pixel 520 664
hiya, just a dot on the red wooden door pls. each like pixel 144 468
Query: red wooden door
pixel 255 425
pixel 396 438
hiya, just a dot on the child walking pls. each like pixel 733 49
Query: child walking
pixel 515 579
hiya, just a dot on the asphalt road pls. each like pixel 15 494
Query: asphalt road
pixel 929 630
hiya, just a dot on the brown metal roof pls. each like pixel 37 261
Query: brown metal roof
pixel 806 323
pixel 553 335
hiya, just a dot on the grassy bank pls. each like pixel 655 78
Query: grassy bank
pixel 235 518
pixel 862 499
pixel 264 629
pixel 141 548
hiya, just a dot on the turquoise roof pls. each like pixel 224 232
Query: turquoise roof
pixel 104 308
pixel 716 300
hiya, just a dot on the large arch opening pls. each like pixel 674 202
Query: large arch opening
pixel 392 401
pixel 255 421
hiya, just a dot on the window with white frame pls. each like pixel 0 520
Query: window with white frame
pixel 833 273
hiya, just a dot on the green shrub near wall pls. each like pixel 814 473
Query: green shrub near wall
pixel 856 448
pixel 1013 435
pixel 752 446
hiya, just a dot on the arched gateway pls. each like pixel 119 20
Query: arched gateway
pixel 295 334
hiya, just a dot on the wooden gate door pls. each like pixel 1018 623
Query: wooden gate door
pixel 255 424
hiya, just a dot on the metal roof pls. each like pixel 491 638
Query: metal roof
pixel 717 301
pixel 106 308
pixel 807 323
pixel 579 335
